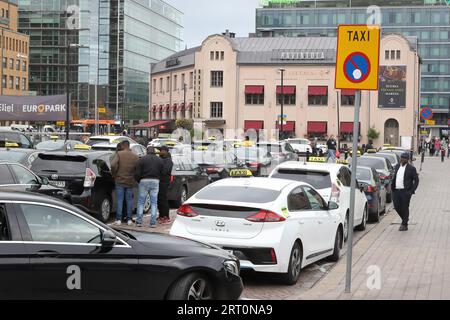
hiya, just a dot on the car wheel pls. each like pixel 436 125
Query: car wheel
pixel 337 246
pixel 375 216
pixel 346 226
pixel 183 197
pixel 193 286
pixel 389 197
pixel 147 204
pixel 295 265
pixel 363 224
pixel 105 209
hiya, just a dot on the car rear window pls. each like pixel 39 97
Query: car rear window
pixel 11 156
pixel 50 145
pixel 376 163
pixel 238 194
pixel 318 179
pixel 60 164
pixel 363 174
pixel 91 142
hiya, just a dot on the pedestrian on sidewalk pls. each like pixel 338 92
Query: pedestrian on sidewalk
pixel 123 167
pixel 149 170
pixel 331 145
pixel 163 201
pixel 404 185
pixel 432 142
pixel 437 147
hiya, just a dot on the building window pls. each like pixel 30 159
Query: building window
pixel 222 55
pixel 24 66
pixel 398 55
pixel 216 109
pixel 212 55
pixel 3 13
pixel 175 83
pixel 183 80
pixel 347 98
pixel 191 80
pixel 7 14
pixel 386 54
pixel 154 85
pixel 254 99
pixel 289 95
pixel 5 63
pixel 17 83
pixel 216 78
pixel 11 82
pixel 18 65
pixel 217 55
pixel 4 79
pixel 11 64
pixel 392 54
pixel 318 96
pixel 161 85
pixel 24 84
pixel 167 84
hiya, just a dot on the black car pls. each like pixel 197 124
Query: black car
pixel 257 160
pixel 385 170
pixel 16 177
pixel 23 156
pixel 87 176
pixel 58 145
pixel 392 157
pixel 52 250
pixel 187 179
pixel 17 137
pixel 369 181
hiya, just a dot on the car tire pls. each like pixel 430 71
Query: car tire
pixel 338 243
pixel 193 286
pixel 105 208
pixel 183 197
pixel 375 216
pixel 295 265
pixel 362 226
pixel 346 226
pixel 389 197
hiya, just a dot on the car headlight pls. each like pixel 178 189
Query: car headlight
pixel 231 266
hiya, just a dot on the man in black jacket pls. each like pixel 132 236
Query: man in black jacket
pixel 149 170
pixel 404 185
pixel 163 202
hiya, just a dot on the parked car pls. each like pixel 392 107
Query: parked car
pixel 207 146
pixel 87 176
pixel 384 168
pixel 108 139
pixel 57 241
pixel 9 135
pixel 271 225
pixel 257 160
pixel 280 151
pixel 392 157
pixel 301 146
pixel 333 182
pixel 23 156
pixel 375 191
pixel 138 149
pixel 164 142
pixel 16 177
pixel 58 145
pixel 187 179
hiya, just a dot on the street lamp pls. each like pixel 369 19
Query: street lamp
pixel 282 70
pixel 184 89
pixel 69 46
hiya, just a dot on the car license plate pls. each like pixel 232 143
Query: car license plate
pixel 240 173
pixel 58 184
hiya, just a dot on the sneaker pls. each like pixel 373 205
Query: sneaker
pixel 167 221
pixel 118 222
pixel 130 222
pixel 139 225
pixel 403 228
pixel 153 226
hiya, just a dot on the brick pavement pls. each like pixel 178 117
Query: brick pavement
pixel 413 264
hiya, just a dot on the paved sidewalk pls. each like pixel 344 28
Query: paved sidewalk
pixel 413 264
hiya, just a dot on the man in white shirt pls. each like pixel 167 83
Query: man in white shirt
pixel 404 185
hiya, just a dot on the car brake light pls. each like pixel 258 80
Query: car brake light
pixel 370 189
pixel 254 165
pixel 335 193
pixel 384 177
pixel 273 255
pixel 89 178
pixel 172 179
pixel 186 211
pixel 266 216
pixel 214 170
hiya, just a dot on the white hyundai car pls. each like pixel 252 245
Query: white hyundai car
pixel 332 181
pixel 301 146
pixel 271 225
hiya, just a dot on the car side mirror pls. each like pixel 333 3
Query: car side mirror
pixel 45 181
pixel 332 205
pixel 109 239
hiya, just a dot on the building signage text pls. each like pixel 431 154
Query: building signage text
pixel 302 55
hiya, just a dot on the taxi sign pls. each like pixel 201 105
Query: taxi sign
pixel 235 173
pixel 11 145
pixel 170 143
pixel 430 122
pixel 357 57
pixel 60 123
pixel 317 159
pixel 371 150
pixel 202 148
pixel 82 147
pixel 387 145
pixel 338 161
pixel 54 137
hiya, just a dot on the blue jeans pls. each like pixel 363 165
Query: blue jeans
pixel 148 186
pixel 122 191
pixel 331 154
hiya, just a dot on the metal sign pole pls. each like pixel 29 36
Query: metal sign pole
pixel 352 192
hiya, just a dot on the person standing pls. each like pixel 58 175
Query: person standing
pixel 247 143
pixel 432 142
pixel 123 167
pixel 437 147
pixel 149 170
pixel 404 185
pixel 444 147
pixel 163 201
pixel 331 145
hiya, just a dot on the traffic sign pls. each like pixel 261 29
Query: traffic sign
pixel 357 57
pixel 101 110
pixel 426 114
pixel 430 122
pixel 60 123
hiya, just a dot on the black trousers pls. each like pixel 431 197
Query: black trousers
pixel 401 199
pixel 163 202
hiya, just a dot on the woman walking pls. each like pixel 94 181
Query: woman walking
pixel 437 147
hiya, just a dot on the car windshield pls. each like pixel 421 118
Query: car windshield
pixel 12 156
pixel 50 145
pixel 250 153
pixel 298 141
pixel 363 174
pixel 270 147
pixel 93 141
pixel 238 194
pixel 375 163
pixel 318 179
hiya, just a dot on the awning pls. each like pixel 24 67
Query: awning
pixel 317 127
pixel 189 106
pixel 347 127
pixel 174 107
pixel 348 92
pixel 288 126
pixel 318 91
pixel 151 124
pixel 167 107
pixel 181 107
pixel 254 89
pixel 286 89
pixel 253 124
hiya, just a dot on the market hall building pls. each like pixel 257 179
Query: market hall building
pixel 235 83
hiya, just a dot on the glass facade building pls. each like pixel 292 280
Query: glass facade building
pixel 119 40
pixel 428 20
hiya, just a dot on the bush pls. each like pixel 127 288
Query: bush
pixel 184 123
pixel 373 134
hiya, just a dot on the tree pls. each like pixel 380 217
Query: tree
pixel 184 123
pixel 373 134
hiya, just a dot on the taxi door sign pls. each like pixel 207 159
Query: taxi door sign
pixel 357 57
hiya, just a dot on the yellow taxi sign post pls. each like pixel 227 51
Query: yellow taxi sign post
pixel 357 65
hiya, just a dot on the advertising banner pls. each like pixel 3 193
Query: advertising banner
pixel 392 87
pixel 29 108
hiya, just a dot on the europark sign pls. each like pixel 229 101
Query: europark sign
pixel 357 67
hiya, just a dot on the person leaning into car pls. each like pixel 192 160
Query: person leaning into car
pixel 149 170
pixel 123 167
pixel 404 185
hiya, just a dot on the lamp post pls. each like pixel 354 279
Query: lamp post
pixel 184 90
pixel 282 70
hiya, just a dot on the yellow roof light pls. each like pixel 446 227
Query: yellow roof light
pixel 54 137
pixel 82 147
pixel 317 159
pixel 371 150
pixel 342 162
pixel 11 145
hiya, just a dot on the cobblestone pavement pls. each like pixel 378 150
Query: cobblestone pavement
pixel 408 265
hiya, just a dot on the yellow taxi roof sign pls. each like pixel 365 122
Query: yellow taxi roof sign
pixel 11 145
pixel 317 159
pixel 357 57
pixel 371 150
pixel 387 145
pixel 82 147
pixel 342 162
pixel 54 137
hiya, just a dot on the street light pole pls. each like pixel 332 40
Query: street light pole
pixel 282 70
pixel 184 89
pixel 68 92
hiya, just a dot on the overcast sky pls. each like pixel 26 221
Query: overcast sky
pixel 205 17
